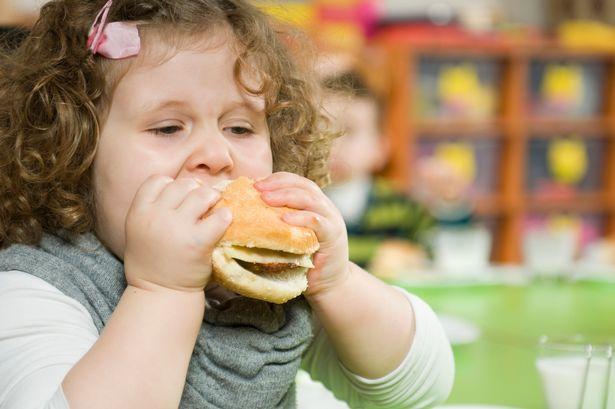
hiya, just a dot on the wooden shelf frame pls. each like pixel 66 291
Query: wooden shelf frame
pixel 513 126
pixel 470 128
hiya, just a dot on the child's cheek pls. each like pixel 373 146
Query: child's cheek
pixel 256 156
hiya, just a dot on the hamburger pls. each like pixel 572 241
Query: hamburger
pixel 260 256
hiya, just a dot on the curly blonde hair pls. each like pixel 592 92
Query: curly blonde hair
pixel 54 94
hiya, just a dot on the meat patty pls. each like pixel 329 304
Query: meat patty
pixel 267 268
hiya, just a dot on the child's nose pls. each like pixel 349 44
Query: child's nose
pixel 210 154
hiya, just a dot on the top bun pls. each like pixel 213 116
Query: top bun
pixel 257 225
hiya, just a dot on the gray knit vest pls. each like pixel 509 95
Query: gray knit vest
pixel 247 352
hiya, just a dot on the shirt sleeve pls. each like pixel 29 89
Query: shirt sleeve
pixel 43 333
pixel 423 379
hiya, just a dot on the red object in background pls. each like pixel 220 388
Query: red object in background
pixel 551 190
pixel 449 35
pixel 374 21
pixel 364 14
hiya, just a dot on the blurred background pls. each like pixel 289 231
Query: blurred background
pixel 477 170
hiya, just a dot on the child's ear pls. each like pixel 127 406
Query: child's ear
pixel 382 156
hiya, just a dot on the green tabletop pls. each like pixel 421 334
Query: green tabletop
pixel 499 367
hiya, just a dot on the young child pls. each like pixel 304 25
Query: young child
pixel 116 121
pixel 379 217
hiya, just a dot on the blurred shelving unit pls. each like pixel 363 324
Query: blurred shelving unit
pixel 518 131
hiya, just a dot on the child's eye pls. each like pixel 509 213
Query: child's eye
pixel 166 130
pixel 240 130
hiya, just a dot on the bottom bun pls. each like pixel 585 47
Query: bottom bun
pixel 276 288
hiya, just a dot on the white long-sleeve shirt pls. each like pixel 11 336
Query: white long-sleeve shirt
pixel 43 333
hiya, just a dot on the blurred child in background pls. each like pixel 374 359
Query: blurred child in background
pixel 387 230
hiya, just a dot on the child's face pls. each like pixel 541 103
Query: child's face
pixel 184 118
pixel 360 150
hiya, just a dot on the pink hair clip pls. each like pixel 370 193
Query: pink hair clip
pixel 113 40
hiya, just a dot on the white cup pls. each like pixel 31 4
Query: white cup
pixel 576 374
pixel 549 252
pixel 462 250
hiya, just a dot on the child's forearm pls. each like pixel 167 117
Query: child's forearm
pixel 370 324
pixel 141 357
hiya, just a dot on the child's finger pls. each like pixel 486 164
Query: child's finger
pixel 175 193
pixel 308 219
pixel 296 198
pixel 281 180
pixel 151 188
pixel 198 202
pixel 211 228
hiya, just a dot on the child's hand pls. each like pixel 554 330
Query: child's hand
pixel 317 212
pixel 168 243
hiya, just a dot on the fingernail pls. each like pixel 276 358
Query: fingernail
pixel 267 195
pixel 226 214
pixel 194 184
